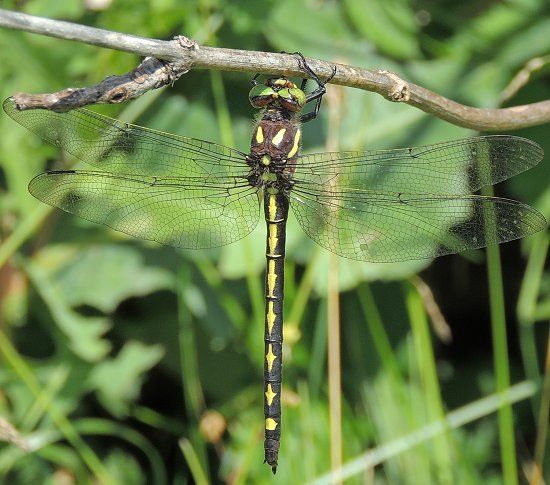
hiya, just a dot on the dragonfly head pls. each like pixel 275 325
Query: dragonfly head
pixel 277 92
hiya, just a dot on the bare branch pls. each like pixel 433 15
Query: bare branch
pixel 150 74
pixel 89 35
pixel 187 55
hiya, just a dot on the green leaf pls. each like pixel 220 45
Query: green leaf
pixel 526 44
pixel 119 272
pixel 327 36
pixel 390 25
pixel 118 381
pixel 124 467
pixel 84 333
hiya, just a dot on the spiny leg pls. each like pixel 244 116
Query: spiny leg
pixel 317 94
pixel 254 81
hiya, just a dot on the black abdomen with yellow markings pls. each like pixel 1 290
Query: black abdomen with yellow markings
pixel 276 212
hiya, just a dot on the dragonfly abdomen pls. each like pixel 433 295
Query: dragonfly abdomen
pixel 276 213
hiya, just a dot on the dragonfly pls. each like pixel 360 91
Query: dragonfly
pixel 374 205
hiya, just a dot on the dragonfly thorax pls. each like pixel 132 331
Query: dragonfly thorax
pixel 274 148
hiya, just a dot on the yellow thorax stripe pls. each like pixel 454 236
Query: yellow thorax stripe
pixel 259 135
pixel 278 138
pixel 296 145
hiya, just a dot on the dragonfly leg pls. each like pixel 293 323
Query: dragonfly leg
pixel 317 94
pixel 254 81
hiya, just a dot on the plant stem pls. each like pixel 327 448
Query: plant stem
pixel 502 365
pixel 334 365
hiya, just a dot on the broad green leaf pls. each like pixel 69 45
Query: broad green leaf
pixel 526 44
pixel 125 467
pixel 118 381
pixel 390 25
pixel 84 333
pixel 327 36
pixel 102 276
pixel 494 25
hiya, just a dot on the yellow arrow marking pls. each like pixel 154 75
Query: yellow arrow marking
pixel 271 278
pixel 270 424
pixel 269 395
pixel 270 317
pixel 270 358
pixel 272 239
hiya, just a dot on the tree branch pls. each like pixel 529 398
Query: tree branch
pixel 150 74
pixel 182 55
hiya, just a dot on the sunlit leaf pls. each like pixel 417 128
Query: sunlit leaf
pixel 118 381
pixel 119 272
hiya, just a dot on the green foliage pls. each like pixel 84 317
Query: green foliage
pixel 118 273
pixel 113 349
pixel 118 381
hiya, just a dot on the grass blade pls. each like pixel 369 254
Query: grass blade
pixel 453 420
pixel 500 352
pixel 193 462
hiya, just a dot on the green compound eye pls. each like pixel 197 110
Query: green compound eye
pixel 260 95
pixel 279 82
pixel 299 95
pixel 285 94
pixel 292 99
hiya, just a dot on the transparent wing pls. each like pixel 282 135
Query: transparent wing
pixel 185 212
pixel 118 147
pixel 456 167
pixel 380 226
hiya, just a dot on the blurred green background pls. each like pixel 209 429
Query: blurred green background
pixel 128 362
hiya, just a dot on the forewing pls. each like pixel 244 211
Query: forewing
pixel 118 147
pixel 185 212
pixel 384 227
pixel 452 168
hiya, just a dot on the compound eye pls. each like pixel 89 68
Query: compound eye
pixel 261 95
pixel 299 96
pixel 281 81
pixel 292 99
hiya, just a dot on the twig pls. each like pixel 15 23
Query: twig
pixel 188 54
pixel 523 76
pixel 150 74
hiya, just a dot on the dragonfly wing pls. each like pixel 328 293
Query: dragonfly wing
pixel 389 227
pixel 455 167
pixel 190 212
pixel 118 147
